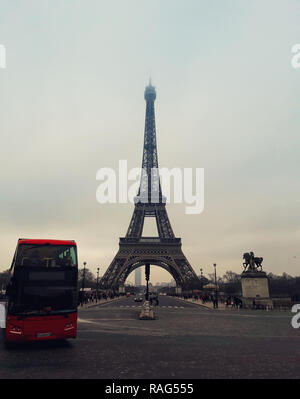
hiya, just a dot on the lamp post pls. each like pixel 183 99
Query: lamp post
pixel 83 282
pixel 201 277
pixel 216 299
pixel 98 268
pixel 147 275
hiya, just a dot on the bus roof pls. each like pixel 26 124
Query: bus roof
pixel 45 242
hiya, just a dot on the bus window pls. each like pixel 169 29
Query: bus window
pixel 47 256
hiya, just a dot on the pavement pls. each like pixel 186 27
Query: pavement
pixel 208 305
pixel 99 302
pixel 184 341
pixel 222 306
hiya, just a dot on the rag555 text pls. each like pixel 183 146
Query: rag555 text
pixel 171 388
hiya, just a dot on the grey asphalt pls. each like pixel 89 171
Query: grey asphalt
pixel 185 341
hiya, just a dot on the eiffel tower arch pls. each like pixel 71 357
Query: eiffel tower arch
pixel 134 249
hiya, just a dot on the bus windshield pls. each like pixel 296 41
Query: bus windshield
pixel 46 255
pixel 34 300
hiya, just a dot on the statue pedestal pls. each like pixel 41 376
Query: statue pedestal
pixel 255 289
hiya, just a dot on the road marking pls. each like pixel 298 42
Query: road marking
pixel 159 306
pixel 85 321
pixel 105 330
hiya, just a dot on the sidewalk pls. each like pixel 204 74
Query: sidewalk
pixel 222 306
pixel 208 305
pixel 100 302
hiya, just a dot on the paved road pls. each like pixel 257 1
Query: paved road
pixel 185 341
pixel 164 302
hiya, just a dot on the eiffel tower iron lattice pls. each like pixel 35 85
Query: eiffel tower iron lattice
pixel 134 249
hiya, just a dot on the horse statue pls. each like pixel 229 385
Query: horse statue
pixel 258 262
pixel 247 258
pixel 251 263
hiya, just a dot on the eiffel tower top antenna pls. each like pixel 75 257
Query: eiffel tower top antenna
pixel 150 189
pixel 150 92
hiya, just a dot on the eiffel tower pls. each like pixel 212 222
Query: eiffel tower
pixel 134 249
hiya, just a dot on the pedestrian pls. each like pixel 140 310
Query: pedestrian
pixel 227 302
pixel 214 302
pixel 237 302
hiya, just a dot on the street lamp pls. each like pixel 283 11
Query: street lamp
pixel 83 282
pixel 147 275
pixel 201 278
pixel 98 268
pixel 215 266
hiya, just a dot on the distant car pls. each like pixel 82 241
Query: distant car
pixel 138 299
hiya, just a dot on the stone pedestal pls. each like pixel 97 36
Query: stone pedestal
pixel 255 289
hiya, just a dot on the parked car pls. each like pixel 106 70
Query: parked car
pixel 138 298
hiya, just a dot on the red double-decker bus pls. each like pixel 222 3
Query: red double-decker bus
pixel 42 291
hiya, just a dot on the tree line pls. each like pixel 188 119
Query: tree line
pixel 230 283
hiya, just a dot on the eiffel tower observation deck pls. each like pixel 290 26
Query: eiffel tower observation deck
pixel 134 249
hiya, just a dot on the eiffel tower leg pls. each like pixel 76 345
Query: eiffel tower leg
pixel 130 256
pixel 163 223
pixel 136 224
pixel 186 271
pixel 109 279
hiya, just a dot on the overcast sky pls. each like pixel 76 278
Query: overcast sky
pixel 71 102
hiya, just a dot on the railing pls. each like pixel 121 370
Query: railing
pixel 150 240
